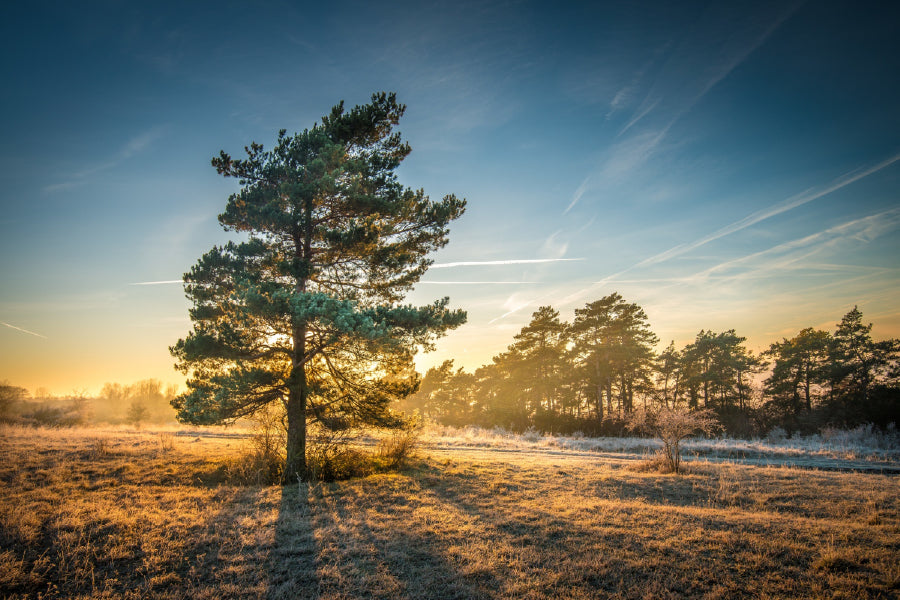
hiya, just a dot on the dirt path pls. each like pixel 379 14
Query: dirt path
pixel 543 454
pixel 622 458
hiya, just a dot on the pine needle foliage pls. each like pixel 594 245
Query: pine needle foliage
pixel 307 311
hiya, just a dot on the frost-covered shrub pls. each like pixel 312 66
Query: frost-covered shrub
pixel 776 435
pixel 532 435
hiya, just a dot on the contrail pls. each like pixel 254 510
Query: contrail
pixel 478 263
pixel 769 212
pixel 23 330
pixel 480 282
pixel 748 221
pixel 472 263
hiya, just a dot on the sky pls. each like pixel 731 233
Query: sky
pixel 725 165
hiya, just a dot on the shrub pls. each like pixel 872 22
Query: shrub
pixel 166 442
pixel 330 462
pixel 402 445
pixel 671 426
pixel 99 448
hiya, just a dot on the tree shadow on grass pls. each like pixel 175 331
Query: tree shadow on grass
pixel 291 565
pixel 352 540
pixel 619 555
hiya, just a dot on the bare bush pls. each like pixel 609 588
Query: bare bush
pixel 671 427
pixel 166 441
pixel 401 446
pixel 99 447
pixel 263 464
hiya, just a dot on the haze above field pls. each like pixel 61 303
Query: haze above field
pixel 723 166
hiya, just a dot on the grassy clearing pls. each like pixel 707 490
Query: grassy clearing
pixel 142 514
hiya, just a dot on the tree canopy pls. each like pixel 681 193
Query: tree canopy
pixel 307 310
pixel 594 374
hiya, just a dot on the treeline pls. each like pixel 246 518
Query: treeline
pixel 591 374
pixel 144 402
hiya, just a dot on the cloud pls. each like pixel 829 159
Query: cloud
pixel 578 193
pixel 133 146
pixel 622 159
pixel 720 43
pixel 164 282
pixel 863 229
pixel 791 253
pixel 480 263
pixel 514 303
pixel 553 247
pixel 481 282
pixel 769 212
pixel 643 113
pixel 23 330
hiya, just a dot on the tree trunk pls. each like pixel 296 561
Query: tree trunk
pixel 807 393
pixel 295 467
pixel 600 403
pixel 295 463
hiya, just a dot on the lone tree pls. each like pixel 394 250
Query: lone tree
pixel 307 311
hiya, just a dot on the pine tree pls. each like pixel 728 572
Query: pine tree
pixel 859 367
pixel 541 346
pixel 307 310
pixel 613 345
pixel 798 372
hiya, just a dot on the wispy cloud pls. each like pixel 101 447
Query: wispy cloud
pixel 769 212
pixel 554 246
pixel 481 282
pixel 515 304
pixel 164 282
pixel 640 115
pixel 862 229
pixel 706 56
pixel 578 193
pixel 480 263
pixel 23 330
pixel 793 253
pixel 133 146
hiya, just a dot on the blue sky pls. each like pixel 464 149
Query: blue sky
pixel 723 164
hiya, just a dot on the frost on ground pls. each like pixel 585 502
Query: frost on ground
pixel 865 443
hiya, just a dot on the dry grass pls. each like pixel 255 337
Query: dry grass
pixel 137 516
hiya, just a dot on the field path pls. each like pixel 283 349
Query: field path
pixel 536 453
pixel 624 458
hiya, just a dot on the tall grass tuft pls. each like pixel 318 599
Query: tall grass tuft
pixel 401 446
pixel 263 462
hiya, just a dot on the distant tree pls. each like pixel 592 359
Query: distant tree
pixel 10 395
pixel 115 393
pixel 716 367
pixel 667 371
pixel 540 347
pixel 799 372
pixel 497 400
pixel 613 345
pixel 137 412
pixel 444 395
pixel 858 360
pixel 80 407
pixel 862 370
pixel 307 311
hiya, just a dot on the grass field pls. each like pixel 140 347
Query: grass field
pixel 86 513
